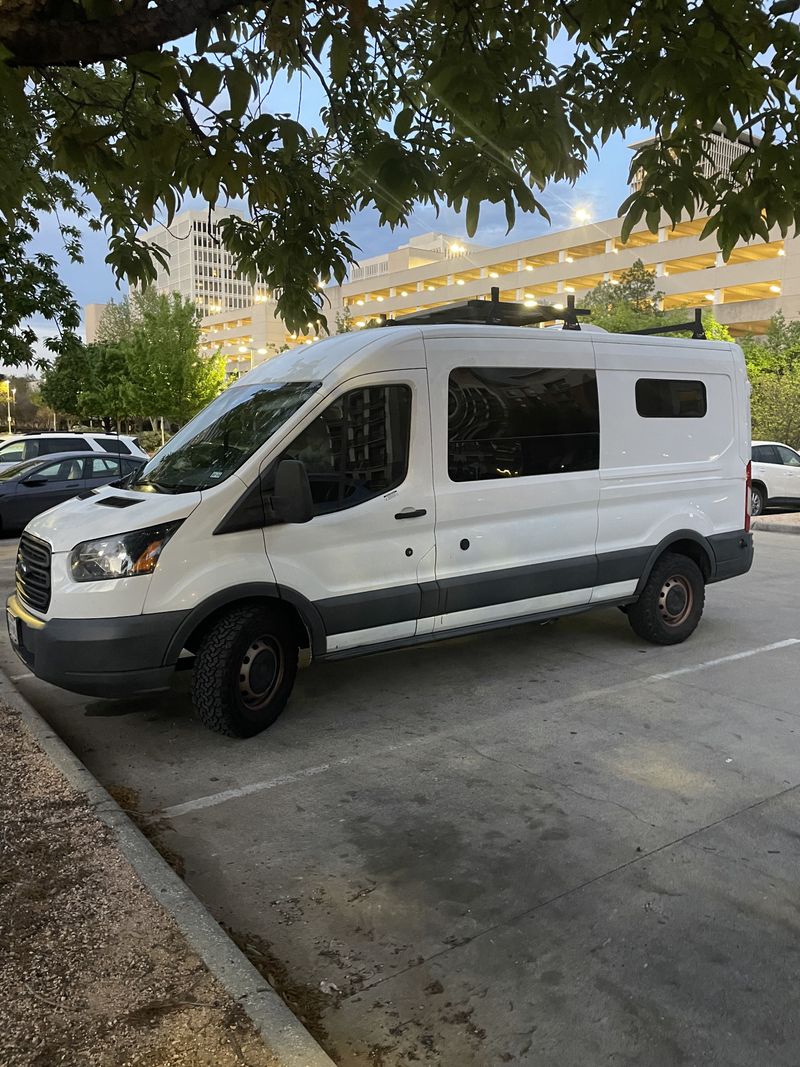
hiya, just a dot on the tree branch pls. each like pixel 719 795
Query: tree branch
pixel 36 40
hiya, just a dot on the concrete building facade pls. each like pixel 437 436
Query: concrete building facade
pixel 758 279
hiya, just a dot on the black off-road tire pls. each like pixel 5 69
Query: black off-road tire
pixel 244 670
pixel 671 603
pixel 758 500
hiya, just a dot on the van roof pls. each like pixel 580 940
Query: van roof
pixel 316 361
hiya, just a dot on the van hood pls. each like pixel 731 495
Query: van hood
pixel 102 514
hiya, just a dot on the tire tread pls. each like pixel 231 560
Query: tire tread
pixel 212 699
pixel 644 616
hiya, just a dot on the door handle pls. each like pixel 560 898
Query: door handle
pixel 411 513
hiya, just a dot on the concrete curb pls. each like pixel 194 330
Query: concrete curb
pixel 283 1034
pixel 775 527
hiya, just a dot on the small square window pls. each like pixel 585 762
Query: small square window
pixel 670 398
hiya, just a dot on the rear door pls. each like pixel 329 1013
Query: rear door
pixel 515 428
pixel 99 470
pixel 363 556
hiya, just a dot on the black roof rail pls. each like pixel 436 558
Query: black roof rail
pixel 493 312
pixel 696 327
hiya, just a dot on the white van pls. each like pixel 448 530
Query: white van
pixel 393 486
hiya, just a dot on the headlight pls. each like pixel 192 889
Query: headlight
pixel 121 555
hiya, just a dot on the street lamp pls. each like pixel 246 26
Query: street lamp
pixel 11 397
pixel 246 352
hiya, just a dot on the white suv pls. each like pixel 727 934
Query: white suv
pixel 776 475
pixel 19 447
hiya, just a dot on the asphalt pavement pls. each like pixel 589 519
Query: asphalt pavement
pixel 547 845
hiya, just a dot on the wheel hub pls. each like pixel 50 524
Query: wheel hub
pixel 675 600
pixel 260 672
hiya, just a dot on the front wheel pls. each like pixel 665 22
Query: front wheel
pixel 758 500
pixel 671 603
pixel 244 671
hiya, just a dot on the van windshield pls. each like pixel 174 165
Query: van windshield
pixel 218 440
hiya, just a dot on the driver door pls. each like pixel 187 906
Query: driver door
pixel 370 544
pixel 47 487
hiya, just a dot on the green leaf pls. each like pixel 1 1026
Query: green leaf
pixel 205 81
pixel 239 85
pixel 404 121
pixel 340 57
pixel 473 214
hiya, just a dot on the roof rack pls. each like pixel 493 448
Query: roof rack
pixel 696 327
pixel 493 312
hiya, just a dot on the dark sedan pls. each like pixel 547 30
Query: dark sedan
pixel 29 488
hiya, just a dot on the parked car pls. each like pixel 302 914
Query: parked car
pixel 19 447
pixel 776 475
pixel 388 487
pixel 28 488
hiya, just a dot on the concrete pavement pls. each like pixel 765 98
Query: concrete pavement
pixel 545 845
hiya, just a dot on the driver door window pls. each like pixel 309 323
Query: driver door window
pixel 357 448
pixel 67 470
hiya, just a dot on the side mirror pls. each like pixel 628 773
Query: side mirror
pixel 291 500
pixel 34 483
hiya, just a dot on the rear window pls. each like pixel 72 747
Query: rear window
pixel 765 454
pixel 113 444
pixel 670 398
pixel 48 446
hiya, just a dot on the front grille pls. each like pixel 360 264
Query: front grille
pixel 33 572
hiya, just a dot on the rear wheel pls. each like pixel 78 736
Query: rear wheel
pixel 244 671
pixel 671 603
pixel 758 500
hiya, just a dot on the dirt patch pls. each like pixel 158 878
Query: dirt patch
pixel 94 974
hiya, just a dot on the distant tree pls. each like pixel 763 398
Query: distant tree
pixel 775 407
pixel 63 379
pixel 631 302
pixel 344 321
pixel 88 382
pixel 28 410
pixel 777 352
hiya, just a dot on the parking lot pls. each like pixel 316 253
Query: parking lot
pixel 549 845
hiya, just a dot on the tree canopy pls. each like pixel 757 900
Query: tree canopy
pixel 119 109
pixel 146 364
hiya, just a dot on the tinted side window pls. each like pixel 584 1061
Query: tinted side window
pixel 357 448
pixel 662 398
pixel 511 422
pixel 765 454
pixel 113 444
pixel 48 446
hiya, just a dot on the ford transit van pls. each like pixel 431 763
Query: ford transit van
pixel 394 486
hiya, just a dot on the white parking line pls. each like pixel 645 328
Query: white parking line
pixel 213 799
pixel 724 659
pixel 282 779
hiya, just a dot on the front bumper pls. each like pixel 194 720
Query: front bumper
pixel 98 657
